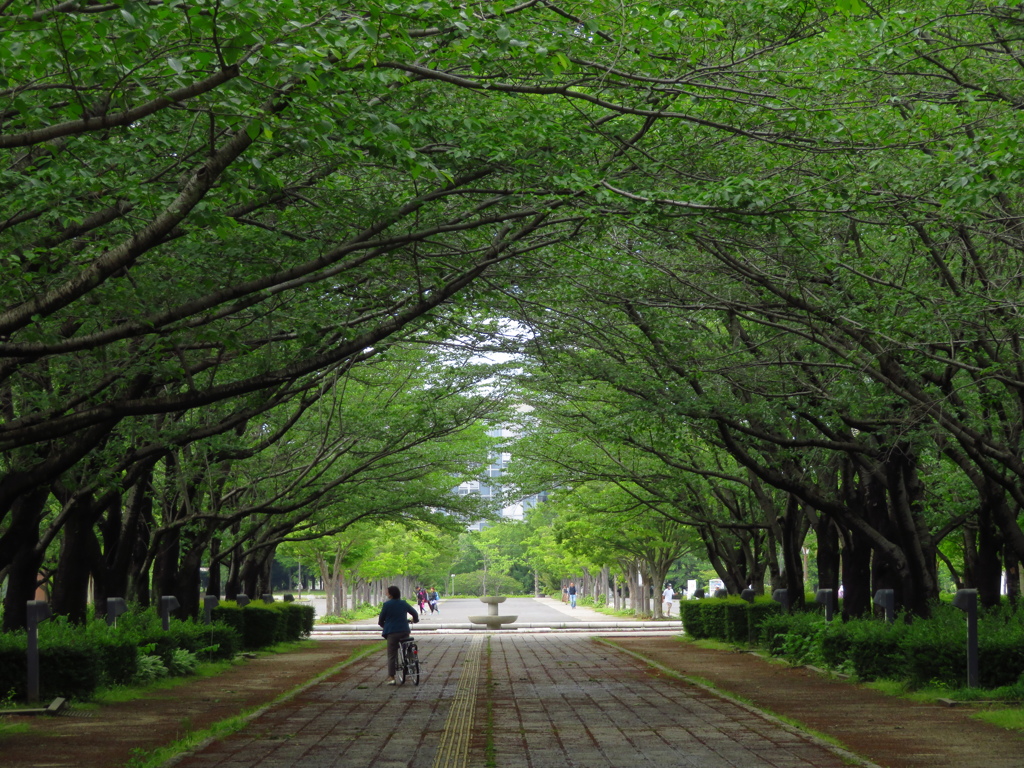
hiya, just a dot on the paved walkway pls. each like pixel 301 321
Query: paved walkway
pixel 514 701
pixel 531 614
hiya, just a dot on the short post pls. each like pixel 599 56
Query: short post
pixel 721 592
pixel 967 601
pixel 242 600
pixel 38 611
pixel 168 603
pixel 824 596
pixel 209 603
pixel 886 599
pixel 115 607
pixel 268 598
pixel 781 596
pixel 748 595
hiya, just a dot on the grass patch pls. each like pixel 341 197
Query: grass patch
pixel 142 758
pixel 711 645
pixel 360 613
pixel 121 693
pixel 1012 719
pixel 1004 707
pixel 10 729
pixel 902 690
pixel 622 613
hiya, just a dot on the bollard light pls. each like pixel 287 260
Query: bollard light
pixel 781 596
pixel 824 596
pixel 967 601
pixel 37 611
pixel 268 598
pixel 748 595
pixel 242 600
pixel 115 607
pixel 886 599
pixel 168 603
pixel 721 593
pixel 209 603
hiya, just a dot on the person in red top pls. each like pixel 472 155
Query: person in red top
pixel 394 626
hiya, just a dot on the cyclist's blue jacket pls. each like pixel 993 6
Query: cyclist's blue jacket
pixel 394 617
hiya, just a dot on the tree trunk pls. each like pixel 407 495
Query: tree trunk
pixel 25 557
pixel 794 533
pixel 213 581
pixel 78 561
pixel 828 558
pixel 233 583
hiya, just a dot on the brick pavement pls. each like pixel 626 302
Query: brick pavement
pixel 539 701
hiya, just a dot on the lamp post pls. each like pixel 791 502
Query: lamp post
pixel 967 601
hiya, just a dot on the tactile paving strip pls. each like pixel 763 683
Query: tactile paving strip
pixel 453 751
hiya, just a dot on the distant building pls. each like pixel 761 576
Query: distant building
pixel 489 486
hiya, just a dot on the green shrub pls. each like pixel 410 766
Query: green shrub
pixel 74 660
pixel 694 614
pixel 118 657
pixel 802 641
pixel 836 646
pixel 758 612
pixel 773 632
pixel 876 652
pixel 736 620
pixel 297 620
pixel 67 668
pixel 931 653
pixel 150 669
pixel 209 642
pixel 1001 648
pixel 731 619
pixel 261 626
pixel 183 663
pixel 230 614
pixel 13 673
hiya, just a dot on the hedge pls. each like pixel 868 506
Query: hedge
pixel 920 652
pixel 75 660
pixel 731 619
pixel 262 624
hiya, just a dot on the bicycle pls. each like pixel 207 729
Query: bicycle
pixel 407 665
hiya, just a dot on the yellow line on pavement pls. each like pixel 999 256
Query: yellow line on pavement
pixel 453 752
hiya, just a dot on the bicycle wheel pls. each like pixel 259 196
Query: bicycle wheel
pixel 400 665
pixel 414 664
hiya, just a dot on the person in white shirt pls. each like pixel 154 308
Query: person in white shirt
pixel 668 596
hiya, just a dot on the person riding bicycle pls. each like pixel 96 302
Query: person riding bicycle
pixel 395 626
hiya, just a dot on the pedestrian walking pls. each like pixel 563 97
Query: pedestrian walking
pixel 572 594
pixel 669 597
pixel 421 600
